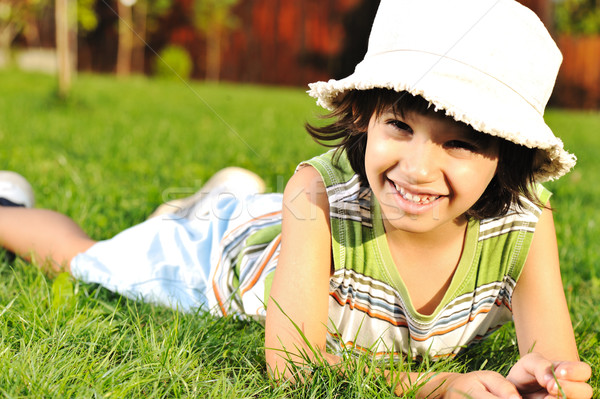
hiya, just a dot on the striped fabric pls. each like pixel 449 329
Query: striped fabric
pixel 369 306
pixel 248 256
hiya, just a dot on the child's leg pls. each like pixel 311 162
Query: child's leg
pixel 45 237
pixel 42 236
pixel 232 181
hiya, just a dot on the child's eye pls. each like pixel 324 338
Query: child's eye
pixel 399 125
pixel 461 145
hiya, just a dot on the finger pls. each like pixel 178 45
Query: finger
pixel 539 367
pixel 482 384
pixel 570 389
pixel 501 388
pixel 472 393
pixel 573 371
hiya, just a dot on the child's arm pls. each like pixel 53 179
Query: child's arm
pixel 301 283
pixel 543 324
pixel 301 286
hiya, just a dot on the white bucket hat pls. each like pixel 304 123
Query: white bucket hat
pixel 488 63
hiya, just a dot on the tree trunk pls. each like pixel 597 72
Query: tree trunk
pixel 140 17
pixel 213 54
pixel 7 35
pixel 125 40
pixel 73 36
pixel 61 12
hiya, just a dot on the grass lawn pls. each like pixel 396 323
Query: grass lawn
pixel 118 148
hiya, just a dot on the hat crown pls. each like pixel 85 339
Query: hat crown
pixel 488 63
pixel 500 38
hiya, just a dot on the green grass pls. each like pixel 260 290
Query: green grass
pixel 118 148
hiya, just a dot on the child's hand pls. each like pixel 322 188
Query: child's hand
pixel 533 376
pixel 477 385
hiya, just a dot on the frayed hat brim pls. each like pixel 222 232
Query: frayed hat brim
pixel 463 92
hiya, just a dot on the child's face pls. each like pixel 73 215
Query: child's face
pixel 427 170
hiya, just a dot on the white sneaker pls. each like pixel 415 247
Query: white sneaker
pixel 234 181
pixel 15 190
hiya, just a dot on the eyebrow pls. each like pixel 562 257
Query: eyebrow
pixel 468 132
pixel 483 140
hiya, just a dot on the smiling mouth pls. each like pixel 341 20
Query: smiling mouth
pixel 415 198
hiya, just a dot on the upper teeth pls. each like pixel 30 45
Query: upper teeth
pixel 419 199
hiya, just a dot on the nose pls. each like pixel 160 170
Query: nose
pixel 420 162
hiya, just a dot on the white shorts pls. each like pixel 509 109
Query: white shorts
pixel 184 263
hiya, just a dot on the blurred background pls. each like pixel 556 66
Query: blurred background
pixel 275 42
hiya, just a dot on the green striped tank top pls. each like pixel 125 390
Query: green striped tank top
pixel 369 306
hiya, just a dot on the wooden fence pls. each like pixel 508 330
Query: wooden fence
pixel 291 42
pixel 578 84
pixel 294 42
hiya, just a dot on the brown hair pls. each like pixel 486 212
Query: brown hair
pixel 514 177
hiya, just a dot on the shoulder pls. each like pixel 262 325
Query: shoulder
pixel 304 191
pixel 333 167
pixel 506 240
pixel 519 218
